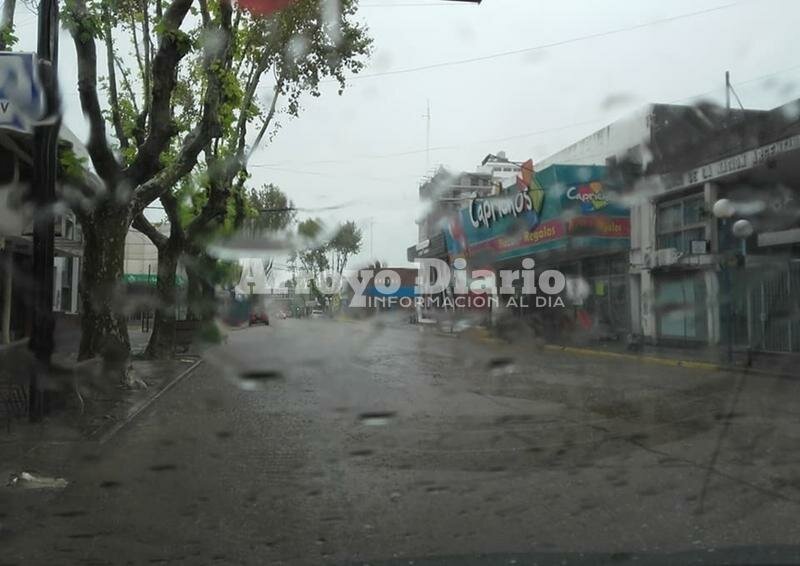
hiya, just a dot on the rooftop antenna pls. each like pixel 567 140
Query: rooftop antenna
pixel 728 90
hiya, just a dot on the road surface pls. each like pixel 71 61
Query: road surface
pixel 321 441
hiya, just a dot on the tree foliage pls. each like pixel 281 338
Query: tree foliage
pixel 7 36
pixel 269 209
pixel 187 99
pixel 345 244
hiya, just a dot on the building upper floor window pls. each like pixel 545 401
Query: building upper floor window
pixel 678 222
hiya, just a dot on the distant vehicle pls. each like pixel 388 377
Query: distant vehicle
pixel 282 315
pixel 259 317
pixel 317 314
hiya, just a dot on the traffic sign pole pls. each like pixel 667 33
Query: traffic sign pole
pixel 45 162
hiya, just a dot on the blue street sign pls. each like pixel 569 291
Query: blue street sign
pixel 21 95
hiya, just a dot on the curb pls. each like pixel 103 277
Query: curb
pixel 642 358
pixel 145 404
pixel 709 366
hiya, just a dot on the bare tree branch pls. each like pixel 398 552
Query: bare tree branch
pixel 116 117
pixel 144 226
pixel 267 121
pixel 170 204
pixel 137 52
pixel 197 139
pixel 126 82
pixel 102 157
pixel 148 52
pixel 165 77
pixel 247 98
pixel 204 13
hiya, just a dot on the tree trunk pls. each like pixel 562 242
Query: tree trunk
pixel 201 299
pixel 104 329
pixel 194 292
pixel 162 341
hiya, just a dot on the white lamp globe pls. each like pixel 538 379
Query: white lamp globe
pixel 723 208
pixel 742 229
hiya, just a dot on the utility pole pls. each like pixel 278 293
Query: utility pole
pixel 427 117
pixel 45 147
pixel 728 91
pixel 371 222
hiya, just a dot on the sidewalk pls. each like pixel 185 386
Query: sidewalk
pixel 102 410
pixel 707 358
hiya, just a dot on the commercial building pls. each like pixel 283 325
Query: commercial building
pixel 565 218
pixel 141 256
pixel 691 281
pixel 628 215
pixel 16 240
pixel 706 282
pixel 446 192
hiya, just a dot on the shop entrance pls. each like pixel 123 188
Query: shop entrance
pixel 681 307
pixel 607 302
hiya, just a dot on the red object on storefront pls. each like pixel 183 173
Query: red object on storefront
pixel 585 319
pixel 264 7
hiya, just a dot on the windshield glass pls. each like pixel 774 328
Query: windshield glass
pixel 399 281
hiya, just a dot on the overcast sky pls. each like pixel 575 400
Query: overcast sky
pixel 366 148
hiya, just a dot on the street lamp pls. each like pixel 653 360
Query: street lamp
pixel 724 209
pixel 742 229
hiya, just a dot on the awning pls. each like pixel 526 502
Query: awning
pixel 434 247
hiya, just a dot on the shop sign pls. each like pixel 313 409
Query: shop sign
pixel 746 160
pixel 600 226
pixel 540 216
pixel 21 95
pixel 591 196
pixel 485 211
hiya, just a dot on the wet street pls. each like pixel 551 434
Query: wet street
pixel 321 441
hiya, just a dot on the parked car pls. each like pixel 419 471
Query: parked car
pixel 259 317
pixel 317 314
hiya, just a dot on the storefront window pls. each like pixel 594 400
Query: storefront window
pixel 681 307
pixel 680 222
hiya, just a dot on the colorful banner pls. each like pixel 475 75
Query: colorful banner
pixel 561 207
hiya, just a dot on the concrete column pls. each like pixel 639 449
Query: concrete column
pixel 58 267
pixel 712 306
pixel 76 272
pixel 711 194
pixel 647 306
pixel 635 298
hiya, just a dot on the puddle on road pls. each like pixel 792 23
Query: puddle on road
pixel 257 379
pixel 27 480
pixel 377 418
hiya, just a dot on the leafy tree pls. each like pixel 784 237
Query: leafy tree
pixel 345 244
pixel 158 141
pixel 189 97
pixel 269 210
pixel 313 258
